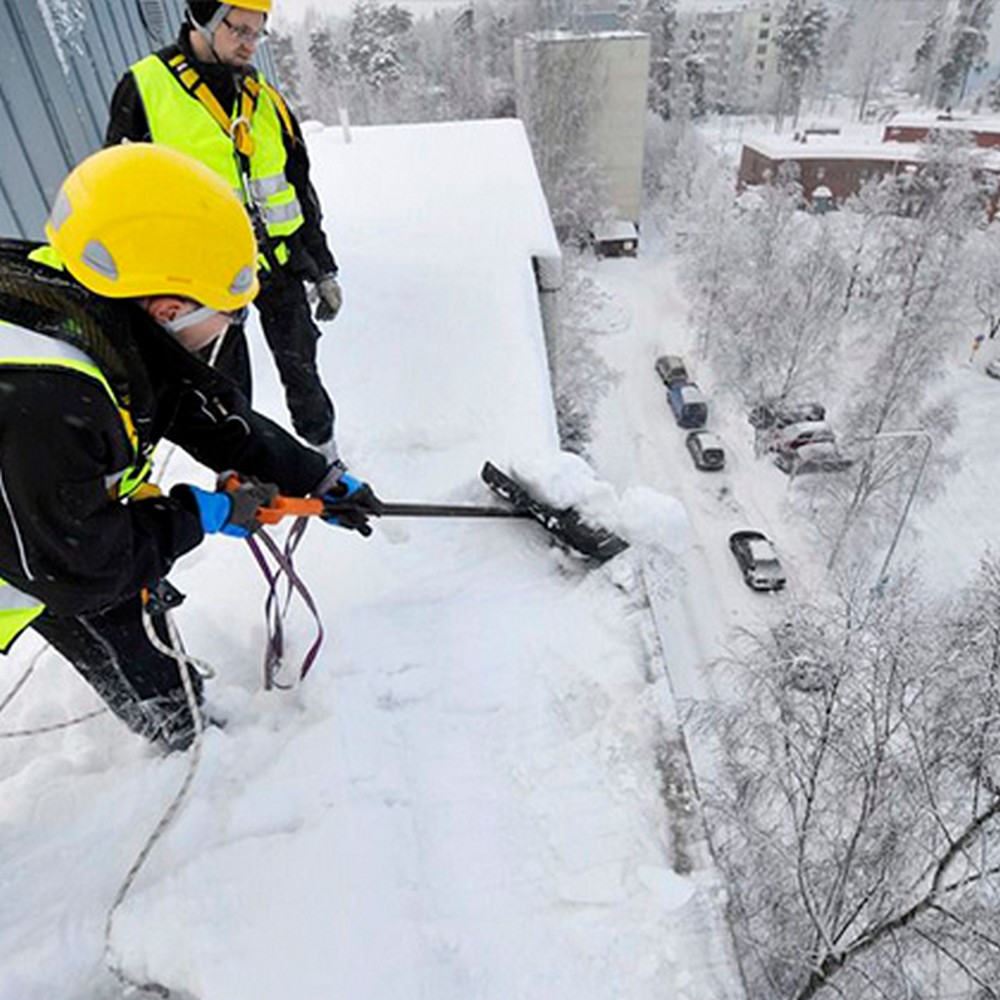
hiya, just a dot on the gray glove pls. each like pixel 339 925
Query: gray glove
pixel 330 298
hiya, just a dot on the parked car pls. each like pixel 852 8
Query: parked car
pixel 796 435
pixel 689 406
pixel 821 456
pixel 706 450
pixel 993 368
pixel 671 369
pixel 757 560
pixel 767 415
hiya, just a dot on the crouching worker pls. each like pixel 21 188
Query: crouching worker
pixel 151 257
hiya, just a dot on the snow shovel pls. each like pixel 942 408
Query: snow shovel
pixel 565 524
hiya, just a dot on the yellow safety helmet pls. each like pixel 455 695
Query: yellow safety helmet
pixel 264 6
pixel 138 219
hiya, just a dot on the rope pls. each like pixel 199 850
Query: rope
pixel 185 664
pixel 38 730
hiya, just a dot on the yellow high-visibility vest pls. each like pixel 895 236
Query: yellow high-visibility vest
pixel 184 114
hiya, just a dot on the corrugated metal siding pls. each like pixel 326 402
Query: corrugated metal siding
pixel 54 97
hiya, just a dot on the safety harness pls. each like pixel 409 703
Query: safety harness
pixel 256 167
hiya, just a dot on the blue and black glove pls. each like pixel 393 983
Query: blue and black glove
pixel 233 512
pixel 348 502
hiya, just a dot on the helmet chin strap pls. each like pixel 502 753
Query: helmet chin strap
pixel 207 31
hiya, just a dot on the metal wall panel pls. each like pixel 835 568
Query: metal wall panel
pixel 54 95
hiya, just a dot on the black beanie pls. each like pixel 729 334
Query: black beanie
pixel 202 11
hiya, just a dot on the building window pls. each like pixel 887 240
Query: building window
pixel 762 50
pixel 763 33
pixel 760 65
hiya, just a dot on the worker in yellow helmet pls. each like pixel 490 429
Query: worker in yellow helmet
pixel 150 258
pixel 203 96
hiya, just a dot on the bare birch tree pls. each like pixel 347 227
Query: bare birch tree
pixel 856 811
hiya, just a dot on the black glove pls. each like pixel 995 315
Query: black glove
pixel 349 502
pixel 330 297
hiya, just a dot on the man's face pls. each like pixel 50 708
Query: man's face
pixel 237 36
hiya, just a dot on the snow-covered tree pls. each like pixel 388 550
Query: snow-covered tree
pixel 966 51
pixel 286 66
pixel 373 52
pixel 582 377
pixel 856 806
pixel 800 35
pixel 917 298
pixel 693 61
pixel 562 102
pixel 769 321
pixel 660 20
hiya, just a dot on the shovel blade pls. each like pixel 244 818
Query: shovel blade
pixel 566 525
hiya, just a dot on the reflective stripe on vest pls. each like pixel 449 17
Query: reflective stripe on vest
pixel 180 120
pixel 17 611
pixel 25 348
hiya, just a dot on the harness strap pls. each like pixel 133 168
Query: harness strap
pixel 240 129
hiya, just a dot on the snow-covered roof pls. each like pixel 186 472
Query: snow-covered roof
pixel 616 229
pixel 824 147
pixel 559 35
pixel 959 123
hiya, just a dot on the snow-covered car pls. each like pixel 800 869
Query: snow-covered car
pixel 820 456
pixel 993 368
pixel 796 435
pixel 689 406
pixel 767 415
pixel 671 369
pixel 757 560
pixel 706 450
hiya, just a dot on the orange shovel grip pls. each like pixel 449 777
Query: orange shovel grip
pixel 289 507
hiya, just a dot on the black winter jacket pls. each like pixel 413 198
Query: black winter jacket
pixel 311 256
pixel 63 538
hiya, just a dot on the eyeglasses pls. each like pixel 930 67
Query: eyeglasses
pixel 246 34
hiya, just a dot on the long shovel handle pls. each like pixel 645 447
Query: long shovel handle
pixel 282 507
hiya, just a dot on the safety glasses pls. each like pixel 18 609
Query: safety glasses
pixel 246 34
pixel 236 317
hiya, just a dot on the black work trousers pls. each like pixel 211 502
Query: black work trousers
pixel 291 335
pixel 138 682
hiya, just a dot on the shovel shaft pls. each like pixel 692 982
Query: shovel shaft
pixel 282 507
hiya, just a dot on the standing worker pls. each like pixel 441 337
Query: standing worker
pixel 98 362
pixel 204 97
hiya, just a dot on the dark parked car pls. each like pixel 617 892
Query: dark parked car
pixel 782 414
pixel 689 406
pixel 671 369
pixel 757 560
pixel 706 450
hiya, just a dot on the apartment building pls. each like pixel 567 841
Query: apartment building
pixel 740 56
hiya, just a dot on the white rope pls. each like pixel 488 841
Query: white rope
pixel 38 730
pixel 185 664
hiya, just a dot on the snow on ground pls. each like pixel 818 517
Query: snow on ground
pixel 466 798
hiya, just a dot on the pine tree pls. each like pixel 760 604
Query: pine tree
pixel 800 36
pixel 287 68
pixel 373 49
pixel 694 74
pixel 967 49
pixel 660 20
